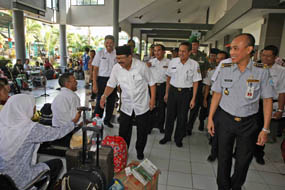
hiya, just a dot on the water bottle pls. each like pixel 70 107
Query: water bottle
pixel 100 125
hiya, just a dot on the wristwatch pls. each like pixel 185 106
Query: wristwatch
pixel 266 130
pixel 104 96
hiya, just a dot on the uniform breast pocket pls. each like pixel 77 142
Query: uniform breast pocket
pixel 227 83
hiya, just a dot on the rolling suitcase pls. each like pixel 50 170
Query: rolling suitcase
pixel 86 176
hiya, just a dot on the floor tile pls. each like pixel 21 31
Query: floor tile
pixel 273 178
pixel 204 182
pixel 176 188
pixel 179 179
pixel 255 186
pixel 163 177
pixel 202 169
pixel 180 155
pixel 180 166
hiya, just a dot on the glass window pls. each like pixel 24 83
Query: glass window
pixel 87 2
pixel 101 2
pixel 48 4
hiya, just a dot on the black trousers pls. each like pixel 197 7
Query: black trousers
pixel 204 112
pixel 244 133
pixel 125 130
pixel 214 139
pixel 157 115
pixel 194 112
pixel 55 166
pixel 110 104
pixel 177 107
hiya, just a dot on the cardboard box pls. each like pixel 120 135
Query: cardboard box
pixel 131 183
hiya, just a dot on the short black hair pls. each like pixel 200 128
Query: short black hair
pixel 2 86
pixel 4 81
pixel 225 53
pixel 110 37
pixel 64 78
pixel 186 43
pixel 250 40
pixel 92 51
pixel 87 49
pixel 272 48
pixel 160 45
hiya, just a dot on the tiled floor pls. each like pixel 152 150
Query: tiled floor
pixel 186 168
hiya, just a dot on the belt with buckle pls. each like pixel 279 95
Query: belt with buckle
pixel 181 89
pixel 159 84
pixel 238 119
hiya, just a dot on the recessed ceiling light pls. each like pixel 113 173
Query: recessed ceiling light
pixel 179 20
pixel 179 1
pixel 178 11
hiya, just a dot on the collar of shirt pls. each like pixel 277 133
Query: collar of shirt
pixel 248 67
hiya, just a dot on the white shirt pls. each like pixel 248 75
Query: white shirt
pixel 158 69
pixel 183 75
pixel 277 80
pixel 207 80
pixel 218 68
pixel 64 107
pixel 134 85
pixel 277 73
pixel 105 61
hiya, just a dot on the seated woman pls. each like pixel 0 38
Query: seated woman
pixel 20 138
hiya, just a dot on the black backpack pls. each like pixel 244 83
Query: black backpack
pixel 46 114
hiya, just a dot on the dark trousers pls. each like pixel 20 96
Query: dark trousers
pixel 110 104
pixel 125 130
pixel 177 107
pixel 157 115
pixel 214 139
pixel 204 112
pixel 244 133
pixel 194 112
pixel 55 166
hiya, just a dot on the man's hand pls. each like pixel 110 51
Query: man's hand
pixel 205 103
pixel 151 104
pixel 102 101
pixel 165 98
pixel 277 115
pixel 211 127
pixel 192 103
pixel 148 64
pixel 95 89
pixel 262 138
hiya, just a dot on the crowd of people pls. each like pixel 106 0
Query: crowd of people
pixel 243 100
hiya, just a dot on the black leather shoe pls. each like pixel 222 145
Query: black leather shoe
pixel 260 161
pixel 201 127
pixel 211 158
pixel 179 144
pixel 189 133
pixel 108 124
pixel 140 156
pixel 163 141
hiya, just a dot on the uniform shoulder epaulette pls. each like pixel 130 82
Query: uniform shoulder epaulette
pixel 261 65
pixel 226 65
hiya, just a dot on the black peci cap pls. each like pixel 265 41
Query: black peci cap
pixel 123 50
pixel 214 51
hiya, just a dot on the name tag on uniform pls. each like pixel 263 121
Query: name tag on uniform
pixel 249 91
pixel 228 80
pixel 103 58
pixel 173 67
pixel 167 67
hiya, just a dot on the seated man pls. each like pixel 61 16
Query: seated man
pixel 65 104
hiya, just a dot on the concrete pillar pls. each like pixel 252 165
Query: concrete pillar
pixel 140 52
pixel 19 35
pixel 271 30
pixel 146 47
pixel 63 50
pixel 116 21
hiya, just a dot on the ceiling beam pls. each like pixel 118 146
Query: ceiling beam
pixel 167 40
pixel 168 36
pixel 166 32
pixel 181 26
